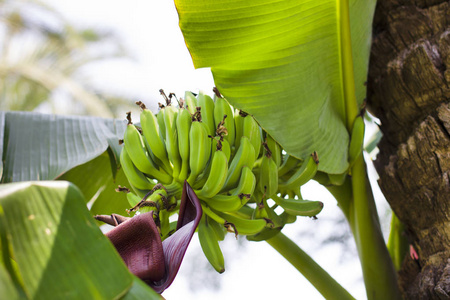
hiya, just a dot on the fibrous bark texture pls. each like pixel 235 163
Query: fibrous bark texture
pixel 409 91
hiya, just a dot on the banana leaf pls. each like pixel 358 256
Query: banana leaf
pixel 59 252
pixel 281 61
pixel 42 147
pixel 82 150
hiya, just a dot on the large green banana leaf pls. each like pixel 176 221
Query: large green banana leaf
pixel 82 150
pixel 51 248
pixel 42 147
pixel 280 60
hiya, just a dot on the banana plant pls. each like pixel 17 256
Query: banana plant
pixel 303 65
pixel 301 62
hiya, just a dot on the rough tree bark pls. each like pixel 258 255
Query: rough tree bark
pixel 408 90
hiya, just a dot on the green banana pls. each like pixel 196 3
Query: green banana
pixel 135 177
pixel 184 121
pixel 154 137
pixel 207 105
pixel 275 149
pixel 264 234
pixel 221 109
pixel 135 147
pixel 245 226
pixel 289 163
pixel 217 175
pixel 214 216
pixel 245 156
pixel 302 175
pixel 160 119
pixel 268 175
pixel 170 119
pixel 251 130
pixel 164 223
pixel 299 207
pixel 247 182
pixel 337 179
pixel 199 150
pixel 218 229
pixel 224 144
pixel 133 199
pixel 190 102
pixel 239 116
pixel 210 244
pixel 238 196
pixel 268 232
pixel 356 140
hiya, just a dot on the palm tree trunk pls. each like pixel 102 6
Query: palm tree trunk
pixel 409 91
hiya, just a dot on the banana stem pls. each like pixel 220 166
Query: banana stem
pixel 379 273
pixel 319 278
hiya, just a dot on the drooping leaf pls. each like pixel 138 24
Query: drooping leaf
pixel 6 285
pixel 96 181
pixel 281 62
pixel 59 250
pixel 41 147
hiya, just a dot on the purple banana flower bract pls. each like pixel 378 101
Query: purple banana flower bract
pixel 139 244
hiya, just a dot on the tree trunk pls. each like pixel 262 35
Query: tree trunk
pixel 408 90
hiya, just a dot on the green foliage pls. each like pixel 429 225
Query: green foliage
pixel 59 251
pixel 281 62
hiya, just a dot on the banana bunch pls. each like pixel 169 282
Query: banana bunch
pixel 238 171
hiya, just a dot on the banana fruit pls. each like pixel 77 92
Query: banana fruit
pixel 209 242
pixel 306 172
pixel 229 161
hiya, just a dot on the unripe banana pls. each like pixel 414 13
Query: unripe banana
pixel 337 179
pixel 135 177
pixel 190 102
pixel 260 212
pixel 154 137
pixel 238 196
pixel 133 199
pixel 225 147
pixel 170 119
pixel 164 223
pixel 288 164
pixel 239 116
pixel 221 109
pixel 268 175
pixel 207 105
pixel 275 149
pixel 299 207
pixel 247 183
pixel 356 140
pixel 245 156
pixel 302 175
pixel 217 175
pixel 214 216
pixel 135 147
pixel 265 234
pixel 245 226
pixel 252 131
pixel 184 122
pixel 210 244
pixel 160 119
pixel 199 150
pixel 219 229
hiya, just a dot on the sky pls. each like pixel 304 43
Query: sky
pixel 149 30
